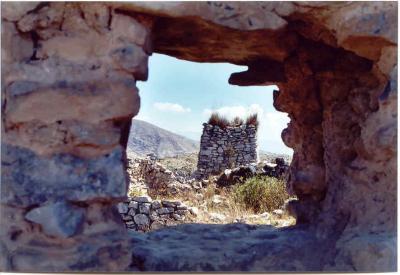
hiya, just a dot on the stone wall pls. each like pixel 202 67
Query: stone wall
pixel 226 148
pixel 153 178
pixel 144 214
pixel 69 73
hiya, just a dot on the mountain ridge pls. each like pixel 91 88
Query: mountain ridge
pixel 146 138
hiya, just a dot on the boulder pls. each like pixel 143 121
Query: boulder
pixel 237 175
pixel 60 219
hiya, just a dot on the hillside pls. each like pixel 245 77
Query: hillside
pixel 146 138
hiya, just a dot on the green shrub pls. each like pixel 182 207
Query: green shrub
pixel 261 193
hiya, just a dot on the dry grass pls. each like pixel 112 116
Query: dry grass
pixel 136 192
pixel 237 121
pixel 252 120
pixel 218 120
pixel 186 163
pixel 261 193
pixel 229 207
pixel 222 122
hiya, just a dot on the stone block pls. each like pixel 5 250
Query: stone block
pixel 165 210
pixel 29 179
pixel 144 208
pixel 131 58
pixel 141 220
pixel 170 204
pixel 132 212
pixel 133 204
pixel 122 207
pixel 156 205
pixel 60 219
pixel 142 199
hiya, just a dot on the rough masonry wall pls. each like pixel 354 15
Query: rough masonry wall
pixel 143 214
pixel 69 73
pixel 226 148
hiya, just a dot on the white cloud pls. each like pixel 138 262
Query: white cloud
pixel 233 111
pixel 272 124
pixel 171 107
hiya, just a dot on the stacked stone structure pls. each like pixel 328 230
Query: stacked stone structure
pixel 69 72
pixel 229 147
pixel 144 214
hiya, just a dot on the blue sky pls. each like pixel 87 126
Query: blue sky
pixel 180 95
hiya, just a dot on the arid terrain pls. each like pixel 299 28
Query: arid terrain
pixel 206 201
pixel 70 89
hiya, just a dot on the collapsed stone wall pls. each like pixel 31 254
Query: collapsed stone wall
pixel 154 179
pixel 69 73
pixel 226 148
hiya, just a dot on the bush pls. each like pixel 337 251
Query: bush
pixel 252 120
pixel 261 193
pixel 218 120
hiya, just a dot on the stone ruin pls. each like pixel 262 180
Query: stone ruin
pixel 69 73
pixel 148 176
pixel 278 170
pixel 225 148
pixel 144 214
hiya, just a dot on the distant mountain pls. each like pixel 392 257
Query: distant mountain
pixel 146 138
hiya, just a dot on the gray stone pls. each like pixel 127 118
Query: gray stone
pixel 22 87
pixel 141 219
pixel 134 204
pixel 60 219
pixel 144 208
pixel 182 207
pixel 182 212
pixel 142 199
pixel 194 211
pixel 165 210
pixel 177 217
pixel 153 216
pixel 170 204
pixel 156 205
pixel 29 179
pixel 132 212
pixel 122 207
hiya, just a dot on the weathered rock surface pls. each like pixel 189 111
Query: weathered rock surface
pixel 57 219
pixel 231 247
pixel 69 74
